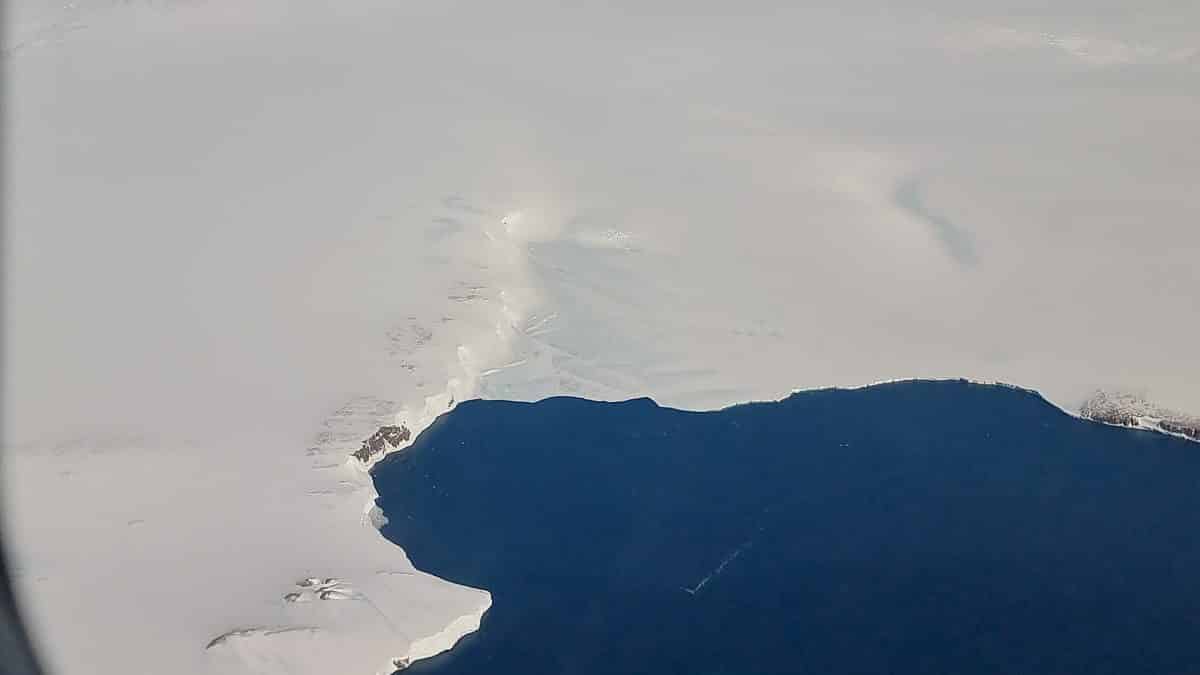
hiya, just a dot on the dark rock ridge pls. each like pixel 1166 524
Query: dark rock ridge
pixel 378 443
pixel 1131 410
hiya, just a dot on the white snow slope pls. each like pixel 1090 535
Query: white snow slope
pixel 242 235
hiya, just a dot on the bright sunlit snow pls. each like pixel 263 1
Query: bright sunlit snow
pixel 242 236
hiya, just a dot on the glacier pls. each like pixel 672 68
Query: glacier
pixel 244 237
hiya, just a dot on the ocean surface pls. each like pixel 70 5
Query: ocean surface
pixel 918 527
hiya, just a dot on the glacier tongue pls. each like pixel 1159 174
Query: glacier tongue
pixel 445 639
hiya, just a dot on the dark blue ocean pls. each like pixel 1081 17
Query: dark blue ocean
pixel 919 527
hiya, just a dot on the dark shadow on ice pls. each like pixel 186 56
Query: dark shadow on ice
pixel 958 241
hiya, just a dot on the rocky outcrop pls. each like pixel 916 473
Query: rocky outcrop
pixel 380 441
pixel 1131 410
pixel 1189 429
pixel 317 589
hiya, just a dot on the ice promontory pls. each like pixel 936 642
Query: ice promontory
pixel 1131 410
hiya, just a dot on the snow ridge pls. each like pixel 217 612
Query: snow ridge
pixel 488 353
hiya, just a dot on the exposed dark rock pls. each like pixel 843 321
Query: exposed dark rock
pixel 380 441
pixel 1191 430
pixel 1130 410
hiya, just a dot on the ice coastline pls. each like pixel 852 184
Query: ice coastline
pixel 287 235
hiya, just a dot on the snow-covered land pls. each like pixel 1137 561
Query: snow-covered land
pixel 243 236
